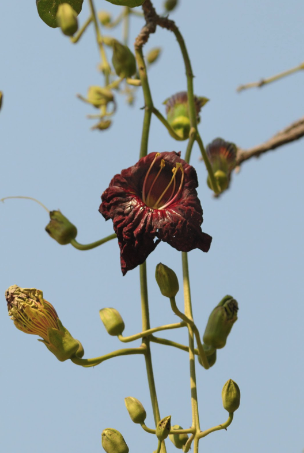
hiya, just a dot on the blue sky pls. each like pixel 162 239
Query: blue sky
pixel 48 152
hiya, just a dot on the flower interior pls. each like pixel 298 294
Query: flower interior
pixel 162 184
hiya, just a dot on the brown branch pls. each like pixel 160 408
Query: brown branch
pixel 287 135
pixel 150 26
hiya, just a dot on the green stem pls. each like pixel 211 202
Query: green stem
pixel 188 313
pixel 163 120
pixel 217 428
pixel 146 342
pixel 150 331
pixel 126 23
pixel 76 38
pixel 116 21
pixel 106 68
pixel 158 447
pixel 271 79
pixel 207 164
pixel 78 246
pixel 189 75
pixel 142 70
pixel 166 342
pixel 148 430
pixel 97 360
pixel 194 329
pixel 192 137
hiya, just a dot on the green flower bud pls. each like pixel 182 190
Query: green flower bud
pixel 104 17
pixel 170 5
pixel 123 60
pixel 211 355
pixel 60 228
pixel 129 3
pixel 177 110
pixel 1 99
pixel 153 55
pixel 67 19
pixel 34 315
pixel 178 440
pixel 99 96
pixel 231 396
pixel 163 428
pixel 136 410
pixel 166 280
pixel 113 442
pixel 220 322
pixel 112 321
pixel 222 179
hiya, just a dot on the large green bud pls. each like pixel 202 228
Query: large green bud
pixel 113 442
pixel 67 19
pixel 220 323
pixel 231 396
pixel 60 228
pixel 163 428
pixel 123 60
pixel 166 280
pixel 129 3
pixel 136 410
pixel 112 321
pixel 178 440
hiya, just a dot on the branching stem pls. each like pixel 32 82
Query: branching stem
pixel 147 333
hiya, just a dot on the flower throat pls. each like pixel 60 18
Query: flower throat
pixel 161 187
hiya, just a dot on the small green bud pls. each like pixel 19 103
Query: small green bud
pixel 123 60
pixel 1 99
pixel 220 322
pixel 231 396
pixel 104 17
pixel 170 5
pixel 222 179
pixel 166 280
pixel 136 410
pixel 113 442
pixel 211 355
pixel 129 3
pixel 112 321
pixel 153 55
pixel 102 125
pixel 67 19
pixel 60 228
pixel 178 440
pixel 99 96
pixel 163 428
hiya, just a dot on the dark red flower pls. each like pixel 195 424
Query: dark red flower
pixel 153 201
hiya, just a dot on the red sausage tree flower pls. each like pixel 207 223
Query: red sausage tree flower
pixel 154 200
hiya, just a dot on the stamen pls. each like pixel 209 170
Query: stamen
pixel 146 178
pixel 174 171
pixel 162 165
pixel 179 166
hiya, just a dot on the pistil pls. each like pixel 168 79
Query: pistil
pixel 146 178
pixel 170 200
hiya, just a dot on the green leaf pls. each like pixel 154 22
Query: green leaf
pixel 47 9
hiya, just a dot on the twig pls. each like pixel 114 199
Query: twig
pixel 271 79
pixel 287 135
